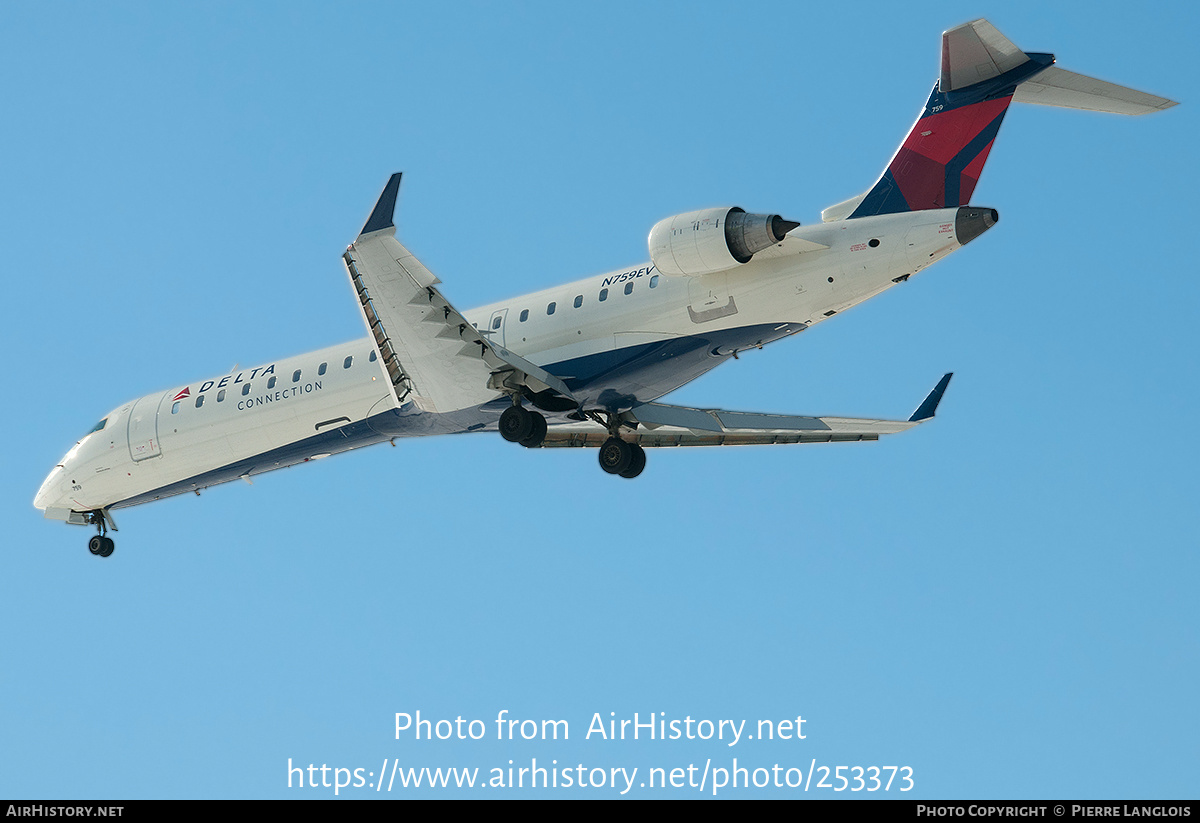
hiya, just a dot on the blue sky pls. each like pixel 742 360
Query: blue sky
pixel 1002 600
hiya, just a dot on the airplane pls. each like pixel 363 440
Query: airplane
pixel 585 364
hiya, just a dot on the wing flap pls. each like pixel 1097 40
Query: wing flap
pixel 660 424
pixel 593 435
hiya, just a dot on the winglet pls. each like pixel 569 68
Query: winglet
pixel 929 407
pixel 381 215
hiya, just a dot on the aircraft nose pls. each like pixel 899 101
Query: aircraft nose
pixel 51 489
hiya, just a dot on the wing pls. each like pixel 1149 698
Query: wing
pixel 659 424
pixel 433 357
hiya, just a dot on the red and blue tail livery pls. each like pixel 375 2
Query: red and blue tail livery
pixel 939 163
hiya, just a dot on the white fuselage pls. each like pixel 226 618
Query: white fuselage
pixel 339 398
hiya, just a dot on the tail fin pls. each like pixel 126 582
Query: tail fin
pixel 939 163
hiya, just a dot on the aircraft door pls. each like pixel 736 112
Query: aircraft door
pixel 143 428
pixel 495 329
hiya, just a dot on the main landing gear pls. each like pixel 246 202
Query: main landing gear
pixel 520 425
pixel 101 544
pixel 620 457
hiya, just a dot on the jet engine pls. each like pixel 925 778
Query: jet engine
pixel 711 240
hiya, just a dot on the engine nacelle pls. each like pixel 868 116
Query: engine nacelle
pixel 711 240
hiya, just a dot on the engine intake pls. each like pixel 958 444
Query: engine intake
pixel 712 240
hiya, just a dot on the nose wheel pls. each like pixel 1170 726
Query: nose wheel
pixel 101 544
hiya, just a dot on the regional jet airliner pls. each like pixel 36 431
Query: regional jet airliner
pixel 584 364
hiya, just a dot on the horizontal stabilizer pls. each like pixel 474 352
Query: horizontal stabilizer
pixel 842 210
pixel 1066 89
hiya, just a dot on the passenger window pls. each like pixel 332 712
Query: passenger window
pixel 603 295
pixel 271 382
pixel 245 389
pixel 371 357
pixel 221 396
pixel 524 315
pixel 496 323
pixel 629 288
pixel 578 300
pixel 550 308
pixel 175 407
pixel 321 368
pixel 654 282
pixel 346 363
pixel 199 400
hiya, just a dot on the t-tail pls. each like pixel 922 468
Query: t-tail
pixel 983 72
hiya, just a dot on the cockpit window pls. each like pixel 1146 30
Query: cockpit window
pixel 99 425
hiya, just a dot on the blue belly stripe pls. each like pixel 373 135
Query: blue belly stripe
pixel 619 379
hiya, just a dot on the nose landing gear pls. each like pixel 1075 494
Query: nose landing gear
pixel 101 545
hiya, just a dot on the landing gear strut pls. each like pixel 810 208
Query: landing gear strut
pixel 101 544
pixel 616 455
pixel 520 425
